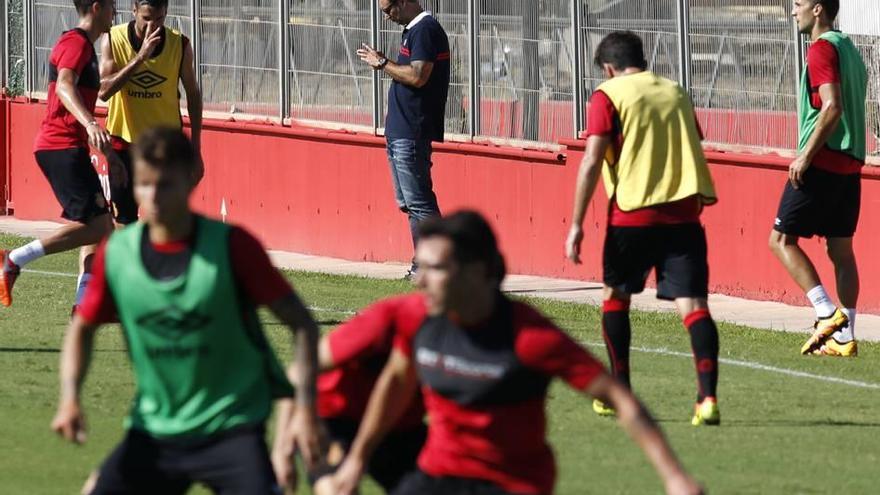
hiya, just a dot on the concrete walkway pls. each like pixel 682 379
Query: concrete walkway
pixel 757 314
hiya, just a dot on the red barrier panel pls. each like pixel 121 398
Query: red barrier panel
pixel 328 193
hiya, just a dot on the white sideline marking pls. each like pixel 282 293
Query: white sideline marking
pixel 756 366
pixel 74 275
pixel 660 351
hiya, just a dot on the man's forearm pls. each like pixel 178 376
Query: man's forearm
pixel 588 178
pixel 827 122
pixel 73 103
pixel 75 358
pixel 389 400
pixel 404 74
pixel 307 364
pixel 194 110
pixel 111 84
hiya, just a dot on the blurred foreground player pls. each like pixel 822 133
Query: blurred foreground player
pixel 484 364
pixel 351 358
pixel 657 180
pixel 185 289
pixel 62 149
pixel 823 194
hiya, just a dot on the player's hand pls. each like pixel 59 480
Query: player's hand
pixel 283 462
pixel 118 173
pixel 370 56
pixel 573 244
pixel 348 476
pixel 70 422
pixel 796 171
pixel 152 38
pixel 308 436
pixel 99 138
pixel 683 484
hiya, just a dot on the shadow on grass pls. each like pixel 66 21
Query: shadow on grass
pixel 800 423
pixel 46 350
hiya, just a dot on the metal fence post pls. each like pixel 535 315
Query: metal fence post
pixel 195 10
pixel 27 51
pixel 578 69
pixel 473 14
pixel 4 42
pixel 799 60
pixel 684 46
pixel 375 80
pixel 284 59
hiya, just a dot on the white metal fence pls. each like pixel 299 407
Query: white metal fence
pixel 521 69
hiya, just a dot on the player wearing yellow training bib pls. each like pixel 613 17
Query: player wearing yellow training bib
pixel 141 64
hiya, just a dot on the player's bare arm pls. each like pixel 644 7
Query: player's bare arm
pixel 69 421
pixel 65 89
pixel 415 74
pixel 392 394
pixel 587 179
pixel 829 118
pixel 642 428
pixel 112 77
pixel 291 311
pixel 193 105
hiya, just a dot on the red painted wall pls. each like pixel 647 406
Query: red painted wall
pixel 328 193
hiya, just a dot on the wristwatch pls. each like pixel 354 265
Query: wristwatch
pixel 382 63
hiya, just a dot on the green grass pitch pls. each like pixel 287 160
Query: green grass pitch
pixel 784 430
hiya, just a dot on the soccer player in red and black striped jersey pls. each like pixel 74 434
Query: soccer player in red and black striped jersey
pixel 484 364
pixel 62 149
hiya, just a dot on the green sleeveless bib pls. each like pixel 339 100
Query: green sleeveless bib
pixel 850 135
pixel 201 361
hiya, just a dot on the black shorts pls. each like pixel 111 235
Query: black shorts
pixel 123 206
pixel 235 462
pixel 419 483
pixel 826 205
pixel 393 459
pixel 677 253
pixel 75 183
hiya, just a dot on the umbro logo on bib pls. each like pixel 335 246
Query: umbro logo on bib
pixel 147 79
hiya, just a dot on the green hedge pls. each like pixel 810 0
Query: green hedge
pixel 15 82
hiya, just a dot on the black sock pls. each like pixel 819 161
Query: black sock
pixel 617 334
pixel 704 343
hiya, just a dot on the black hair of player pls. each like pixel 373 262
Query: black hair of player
pixel 830 7
pixel 83 6
pixel 621 49
pixel 473 240
pixel 156 4
pixel 165 148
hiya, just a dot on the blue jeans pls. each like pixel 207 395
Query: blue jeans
pixel 410 162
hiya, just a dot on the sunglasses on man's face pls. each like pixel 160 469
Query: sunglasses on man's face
pixel 387 10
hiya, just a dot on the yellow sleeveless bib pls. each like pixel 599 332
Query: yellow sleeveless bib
pixel 661 160
pixel 150 97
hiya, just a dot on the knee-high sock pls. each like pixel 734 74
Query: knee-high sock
pixel 617 334
pixel 704 344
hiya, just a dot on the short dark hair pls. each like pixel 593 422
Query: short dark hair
pixel 831 7
pixel 472 240
pixel 83 6
pixel 621 49
pixel 165 148
pixel 156 4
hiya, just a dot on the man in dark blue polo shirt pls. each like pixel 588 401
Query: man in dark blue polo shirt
pixel 416 106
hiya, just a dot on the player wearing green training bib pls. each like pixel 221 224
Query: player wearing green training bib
pixel 823 194
pixel 186 289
